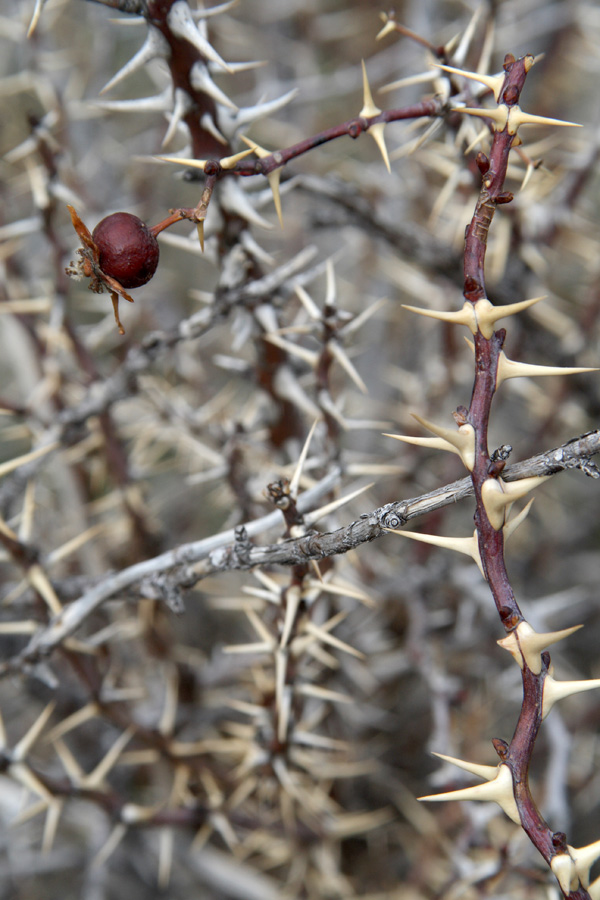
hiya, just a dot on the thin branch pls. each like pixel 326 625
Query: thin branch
pixel 218 553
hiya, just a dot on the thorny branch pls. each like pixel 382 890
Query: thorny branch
pixel 215 554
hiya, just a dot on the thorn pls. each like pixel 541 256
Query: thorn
pixel 308 303
pixel 527 177
pixel 315 567
pixel 497 790
pixel 23 774
pixel 330 292
pixel 517 117
pixel 273 177
pixel 565 872
pixel 510 527
pixel 229 162
pixel 214 10
pixel 498 496
pixel 155 45
pixel 182 24
pixel 499 116
pixel 21 749
pixel 292 602
pixel 165 857
pixel 249 114
pixel 312 517
pixel 508 368
pixel 421 78
pixel 434 443
pixel 183 161
pixel 465 316
pixel 461 439
pixel 162 102
pixel 308 356
pixel 487 772
pixel 37 11
pixel 235 199
pixel 338 352
pixel 526 645
pixel 322 635
pixel 487 314
pixel 493 82
pixel 468 545
pixel 208 123
pixel 201 81
pixel 476 140
pixel 376 132
pixel 314 690
pixel 369 109
pixel 387 29
pixel 200 230
pixel 181 106
pixel 51 825
pixel 295 480
pixel 41 583
pixel 168 716
pixel 554 691
pixel 359 320
pixel 584 858
pixel 110 845
pixel 97 776
pixel 12 464
pixel 288 387
pixel 283 695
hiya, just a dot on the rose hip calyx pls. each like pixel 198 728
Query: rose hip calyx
pixel 127 248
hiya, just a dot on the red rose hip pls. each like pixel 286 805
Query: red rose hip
pixel 128 250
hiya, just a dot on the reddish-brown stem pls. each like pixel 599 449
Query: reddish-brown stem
pixel 491 540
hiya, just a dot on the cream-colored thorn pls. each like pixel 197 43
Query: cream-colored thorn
pixel 182 161
pixel 526 644
pixel 487 314
pixel 228 162
pixel 493 82
pixel 498 116
pixel 369 109
pixel 565 872
pixel 487 772
pixel 461 439
pixel 376 132
pixel 465 316
pixel 388 28
pixel 584 858
pixel 468 545
pixel 508 368
pixel 273 177
pixel 499 790
pixel 510 527
pixel 498 495
pixel 594 889
pixel 434 443
pixel 557 690
pixel 517 117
